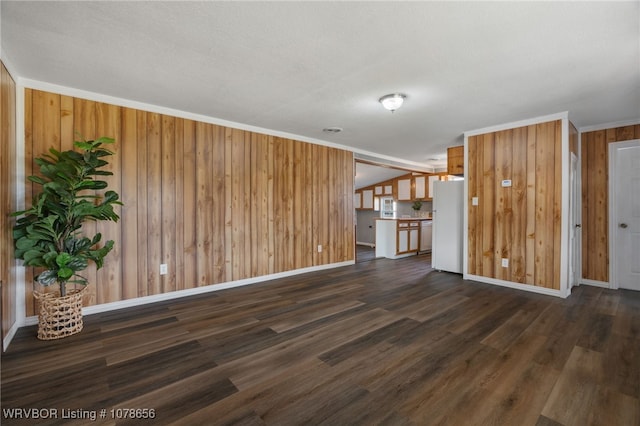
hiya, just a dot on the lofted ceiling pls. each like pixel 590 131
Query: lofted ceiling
pixel 299 67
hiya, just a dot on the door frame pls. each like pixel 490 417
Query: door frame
pixel 575 220
pixel 613 150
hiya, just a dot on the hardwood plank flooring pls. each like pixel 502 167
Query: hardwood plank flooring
pixel 385 342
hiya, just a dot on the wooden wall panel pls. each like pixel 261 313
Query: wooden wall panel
pixel 7 199
pixel 522 222
pixel 595 198
pixel 215 204
pixel 109 278
pixel 130 252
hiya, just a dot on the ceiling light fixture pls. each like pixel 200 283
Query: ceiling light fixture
pixel 332 129
pixel 393 101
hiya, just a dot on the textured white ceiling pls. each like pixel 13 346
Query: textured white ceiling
pixel 299 67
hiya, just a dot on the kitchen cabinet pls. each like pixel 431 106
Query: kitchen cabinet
pixel 388 190
pixel 367 199
pixel 377 190
pixel 420 187
pixel 455 160
pixel 408 236
pixel 357 200
pixel 397 238
pixel 432 178
pixel 404 189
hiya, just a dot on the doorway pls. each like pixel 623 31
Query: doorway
pixel 624 214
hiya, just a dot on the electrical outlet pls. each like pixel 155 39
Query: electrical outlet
pixel 163 269
pixel 319 248
pixel 505 263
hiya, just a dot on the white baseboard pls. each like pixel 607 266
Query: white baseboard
pixel 517 286
pixel 12 332
pixel 595 283
pixel 138 301
pixel 360 243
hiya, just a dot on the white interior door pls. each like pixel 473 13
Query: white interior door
pixel 574 225
pixel 625 214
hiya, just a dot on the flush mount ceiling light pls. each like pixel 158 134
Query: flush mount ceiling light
pixel 393 101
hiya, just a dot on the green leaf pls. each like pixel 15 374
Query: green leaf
pixel 78 264
pixel 25 243
pixel 47 278
pixel 105 139
pixel 83 145
pixel 64 274
pixel 62 259
pixel 32 255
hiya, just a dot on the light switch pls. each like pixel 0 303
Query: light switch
pixel 474 201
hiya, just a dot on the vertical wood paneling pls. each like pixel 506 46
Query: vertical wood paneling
pixel 220 251
pixel 261 253
pixel 67 132
pixel 179 194
pixel 84 123
pixel 522 222
pixel 169 235
pixel 472 185
pixel 28 188
pixel 488 205
pixel 154 202
pixel 215 204
pixel 530 249
pixel 109 277
pixel 595 201
pixel 142 206
pixel 204 203
pixel 188 208
pixel 519 205
pixel 557 201
pixel 129 212
pixel 283 193
pixel 240 206
pixel 348 242
pixel 544 205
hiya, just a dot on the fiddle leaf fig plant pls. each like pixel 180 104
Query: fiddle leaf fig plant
pixel 49 234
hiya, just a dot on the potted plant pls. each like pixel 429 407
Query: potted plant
pixel 49 234
pixel 416 206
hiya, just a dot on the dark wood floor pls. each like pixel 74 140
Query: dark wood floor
pixel 365 253
pixel 381 342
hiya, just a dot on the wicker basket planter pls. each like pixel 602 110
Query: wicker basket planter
pixel 59 317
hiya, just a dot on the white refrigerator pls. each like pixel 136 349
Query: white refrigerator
pixel 448 205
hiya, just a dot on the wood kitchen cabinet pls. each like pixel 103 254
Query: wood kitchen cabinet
pixel 397 238
pixel 455 160
pixel 408 240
